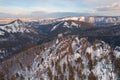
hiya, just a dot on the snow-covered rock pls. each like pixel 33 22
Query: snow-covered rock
pixel 117 52
pixel 67 59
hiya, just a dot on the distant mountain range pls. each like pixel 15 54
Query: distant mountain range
pixel 97 20
pixel 72 48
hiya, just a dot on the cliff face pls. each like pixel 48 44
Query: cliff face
pixel 67 58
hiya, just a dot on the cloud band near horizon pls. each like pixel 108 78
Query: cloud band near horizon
pixel 55 8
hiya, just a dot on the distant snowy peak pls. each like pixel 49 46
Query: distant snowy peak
pixel 70 18
pixel 16 26
pixel 97 20
pixel 18 21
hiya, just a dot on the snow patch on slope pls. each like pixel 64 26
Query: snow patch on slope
pixel 66 25
pixel 56 26
pixel 2 33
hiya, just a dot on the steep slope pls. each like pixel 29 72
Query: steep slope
pixel 67 58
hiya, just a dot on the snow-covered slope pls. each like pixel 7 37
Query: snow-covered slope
pixel 69 24
pixel 16 26
pixel 2 32
pixel 65 24
pixel 66 59
pixel 56 26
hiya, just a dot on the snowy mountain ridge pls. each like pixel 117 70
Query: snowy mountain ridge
pixel 70 24
pixel 16 26
pixel 67 59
